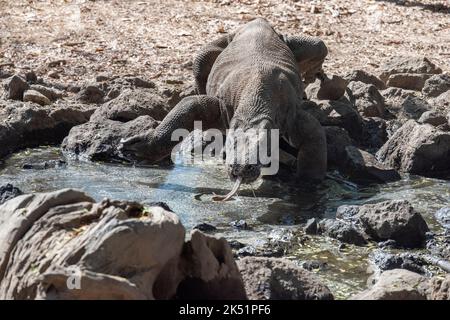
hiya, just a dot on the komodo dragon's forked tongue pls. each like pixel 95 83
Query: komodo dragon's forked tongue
pixel 233 191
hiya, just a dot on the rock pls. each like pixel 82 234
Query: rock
pixel 312 265
pixel 240 225
pixel 51 93
pixel 394 97
pixel 443 217
pixel 30 76
pixel 442 102
pixel 396 220
pixel 365 77
pixel 311 226
pixel 413 108
pixel 396 284
pixel 341 114
pixel 432 117
pixel 439 288
pixel 418 149
pixel 337 140
pixel 327 89
pixel 16 86
pixel 24 125
pixel 98 140
pixel 8 192
pixel 90 94
pixel 50 164
pixel 205 227
pixel 208 271
pixel 436 85
pixel 363 167
pixel 280 279
pixel 367 99
pixel 54 242
pixel 401 64
pixel 131 104
pixel 384 261
pixel 236 245
pixel 342 231
pixel 375 133
pixel 409 81
pixel 133 112
pixel 36 97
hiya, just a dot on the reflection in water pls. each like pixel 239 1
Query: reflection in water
pixel 269 205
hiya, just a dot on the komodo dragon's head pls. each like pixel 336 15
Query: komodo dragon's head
pixel 248 150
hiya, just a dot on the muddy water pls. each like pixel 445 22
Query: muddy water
pixel 273 208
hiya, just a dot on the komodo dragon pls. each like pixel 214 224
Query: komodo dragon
pixel 253 77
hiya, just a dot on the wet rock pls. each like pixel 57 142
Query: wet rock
pixel 205 227
pixel 280 279
pixel 8 192
pixel 25 125
pixel 387 261
pixel 327 89
pixel 419 149
pixel 312 265
pixel 247 251
pixel 240 225
pixel 45 165
pixel 51 93
pixel 409 81
pixel 342 231
pixel 107 250
pixel 337 140
pixel 411 65
pixel 396 284
pixel 365 77
pixel 439 288
pixel 374 133
pixel 311 226
pixel 90 94
pixel 367 99
pixel 99 139
pixel 436 85
pixel 16 86
pixel 362 167
pixel 236 245
pixel 443 217
pixel 342 114
pixel 36 97
pixel 396 220
pixel 432 117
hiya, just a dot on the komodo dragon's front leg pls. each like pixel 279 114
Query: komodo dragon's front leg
pixel 306 133
pixel 310 53
pixel 205 59
pixel 157 144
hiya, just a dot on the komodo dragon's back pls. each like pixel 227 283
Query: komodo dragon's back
pixel 256 56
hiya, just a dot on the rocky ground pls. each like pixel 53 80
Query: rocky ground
pixel 384 119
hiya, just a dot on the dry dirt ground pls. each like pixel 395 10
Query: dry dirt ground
pixel 75 40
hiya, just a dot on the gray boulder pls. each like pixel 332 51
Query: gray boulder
pixel 419 149
pixel 409 81
pixel 53 243
pixel 434 118
pixel 365 77
pixel 367 99
pixel 280 279
pixel 396 284
pixel 343 231
pixel 36 97
pixel 410 65
pixel 436 85
pixel 15 87
pixel 362 166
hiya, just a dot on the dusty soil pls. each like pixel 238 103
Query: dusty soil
pixel 76 40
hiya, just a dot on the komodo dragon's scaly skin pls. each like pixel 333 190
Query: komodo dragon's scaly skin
pixel 253 77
